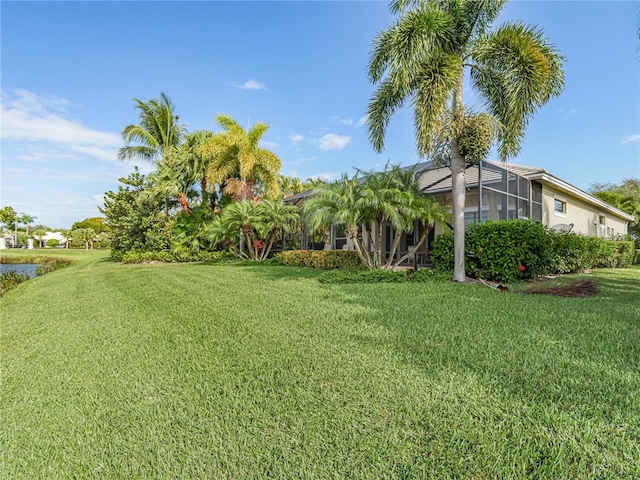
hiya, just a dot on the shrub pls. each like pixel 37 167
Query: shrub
pixel 49 264
pixel 519 249
pixel 499 250
pixel 52 242
pixel 11 279
pixel 442 253
pixel 322 259
pixel 573 252
pixel 137 256
pixel 617 254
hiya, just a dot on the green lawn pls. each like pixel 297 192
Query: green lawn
pixel 203 371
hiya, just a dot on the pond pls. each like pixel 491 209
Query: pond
pixel 28 268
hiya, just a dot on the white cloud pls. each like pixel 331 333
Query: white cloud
pixel 331 141
pixel 631 138
pixel 27 117
pixel 252 84
pixel 296 138
pixel 269 145
pixel 343 121
pixel 302 160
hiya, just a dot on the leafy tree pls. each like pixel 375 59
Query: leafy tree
pixel 133 219
pixel 422 59
pixel 8 216
pixel 625 197
pixel 156 137
pixel 95 223
pixel 190 231
pixel 237 162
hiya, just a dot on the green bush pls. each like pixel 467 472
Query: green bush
pixel 49 264
pixel 322 259
pixel 519 249
pixel 573 253
pixel 11 279
pixel 137 256
pixel 499 250
pixel 617 254
pixel 52 242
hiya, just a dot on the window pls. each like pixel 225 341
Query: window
pixel 559 206
pixel 602 220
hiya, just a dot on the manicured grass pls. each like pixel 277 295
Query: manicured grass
pixel 204 371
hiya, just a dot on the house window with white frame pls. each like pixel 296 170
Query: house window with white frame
pixel 559 206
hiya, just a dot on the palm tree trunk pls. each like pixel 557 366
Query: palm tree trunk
pixel 415 248
pixel 396 241
pixel 458 192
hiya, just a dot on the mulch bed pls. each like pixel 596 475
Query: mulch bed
pixel 577 288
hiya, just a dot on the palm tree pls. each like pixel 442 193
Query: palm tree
pixel 195 164
pixel 238 163
pixel 26 219
pixel 276 219
pixel 156 137
pixel 292 185
pixel 340 202
pixel 422 59
pixel 39 233
pixel 173 179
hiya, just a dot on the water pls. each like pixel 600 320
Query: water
pixel 28 268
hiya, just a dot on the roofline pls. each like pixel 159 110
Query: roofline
pixel 576 192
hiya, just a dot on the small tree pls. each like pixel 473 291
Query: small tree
pixel 261 225
pixel 39 234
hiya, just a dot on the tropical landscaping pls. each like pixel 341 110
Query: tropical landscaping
pixel 189 334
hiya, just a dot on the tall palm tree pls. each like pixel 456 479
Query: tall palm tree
pixel 422 59
pixel 238 163
pixel 156 137
pixel 26 219
pixel 195 164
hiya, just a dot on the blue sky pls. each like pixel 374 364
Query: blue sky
pixel 69 72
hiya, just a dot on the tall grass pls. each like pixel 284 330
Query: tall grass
pixel 201 371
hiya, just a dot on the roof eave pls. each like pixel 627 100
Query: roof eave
pixel 544 177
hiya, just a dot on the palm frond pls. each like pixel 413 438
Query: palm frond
pixel 517 71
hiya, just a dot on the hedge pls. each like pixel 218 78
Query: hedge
pixel 322 259
pixel 520 249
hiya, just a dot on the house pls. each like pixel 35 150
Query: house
pixel 505 191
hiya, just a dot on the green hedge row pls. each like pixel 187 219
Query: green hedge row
pixel 322 259
pixel 137 256
pixel 520 249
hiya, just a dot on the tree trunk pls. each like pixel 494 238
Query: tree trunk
pixel 415 248
pixel 458 192
pixel 396 241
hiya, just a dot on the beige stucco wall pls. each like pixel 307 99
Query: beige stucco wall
pixel 585 217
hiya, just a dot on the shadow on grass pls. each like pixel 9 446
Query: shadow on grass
pixel 267 270
pixel 538 350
